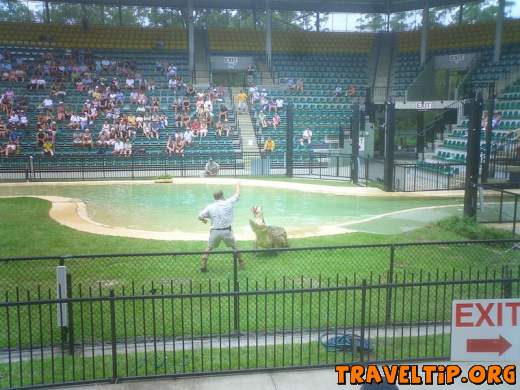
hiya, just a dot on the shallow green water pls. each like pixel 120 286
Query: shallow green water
pixel 166 207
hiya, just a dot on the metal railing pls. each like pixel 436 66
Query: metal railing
pixel 234 322
pixel 424 176
pixel 414 176
pixel 499 205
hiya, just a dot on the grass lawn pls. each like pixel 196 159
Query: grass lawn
pixel 27 230
pixel 63 368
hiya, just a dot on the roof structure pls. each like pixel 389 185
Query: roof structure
pixel 350 6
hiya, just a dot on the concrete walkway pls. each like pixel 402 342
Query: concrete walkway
pixel 320 379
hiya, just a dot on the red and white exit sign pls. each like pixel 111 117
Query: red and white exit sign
pixel 485 330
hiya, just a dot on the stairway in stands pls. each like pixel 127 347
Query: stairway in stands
pixel 247 132
pixel 266 76
pixel 202 79
pixel 385 45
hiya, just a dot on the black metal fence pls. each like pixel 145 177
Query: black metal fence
pixel 238 326
pixel 499 205
pixel 147 315
pixel 415 176
pixel 423 176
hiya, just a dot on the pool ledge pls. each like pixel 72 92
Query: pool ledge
pixel 73 214
pixel 305 187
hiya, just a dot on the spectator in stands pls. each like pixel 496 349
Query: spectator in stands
pixel 9 149
pixel 47 103
pixel 127 148
pixel 41 83
pixel 203 131
pixel 497 120
pixel 338 91
pixel 291 84
pixel 208 105
pixel 40 138
pixel 276 121
pixel 188 137
pixel 262 119
pixel 170 145
pixel 33 83
pixel 48 148
pixel 172 71
pixel 3 129
pixel 219 128
pixel 299 85
pixel 351 91
pixel 223 113
pixel 155 104
pixel 86 139
pixel 154 129
pixel 306 136
pixel 119 147
pixel 242 102
pixel 129 83
pixel 179 147
pixel 269 145
pixel 190 91
pixel 279 104
pixel 24 121
pixel 272 105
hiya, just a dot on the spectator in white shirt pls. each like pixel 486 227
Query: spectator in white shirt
pixel 306 136
pixel 47 103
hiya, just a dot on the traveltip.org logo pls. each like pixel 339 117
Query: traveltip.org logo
pixel 428 374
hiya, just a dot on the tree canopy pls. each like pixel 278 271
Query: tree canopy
pixel 64 13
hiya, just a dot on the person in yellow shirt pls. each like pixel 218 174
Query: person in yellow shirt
pixel 242 102
pixel 269 145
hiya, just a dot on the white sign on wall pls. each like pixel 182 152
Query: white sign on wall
pixel 423 106
pixel 485 330
pixel 231 62
pixel 361 144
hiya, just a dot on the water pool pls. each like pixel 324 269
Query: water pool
pixel 175 207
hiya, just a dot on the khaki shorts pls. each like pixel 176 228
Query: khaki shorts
pixel 217 236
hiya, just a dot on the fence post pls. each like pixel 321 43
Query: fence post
pixel 70 314
pixel 113 333
pixel 236 290
pixel 337 166
pixel 363 318
pixel 515 213
pixel 507 283
pixel 390 280
pixel 501 205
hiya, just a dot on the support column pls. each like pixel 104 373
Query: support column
pixel 389 146
pixel 354 136
pixel 499 30
pixel 420 135
pixel 47 15
pixel 255 17
pixel 120 11
pixel 424 33
pixel 489 133
pixel 461 13
pixel 289 142
pixel 191 38
pixel 317 21
pixel 268 33
pixel 473 157
pixel 102 14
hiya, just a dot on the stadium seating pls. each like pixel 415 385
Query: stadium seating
pixel 95 37
pixel 251 41
pixel 145 65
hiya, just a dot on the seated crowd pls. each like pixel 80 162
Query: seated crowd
pixel 119 105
